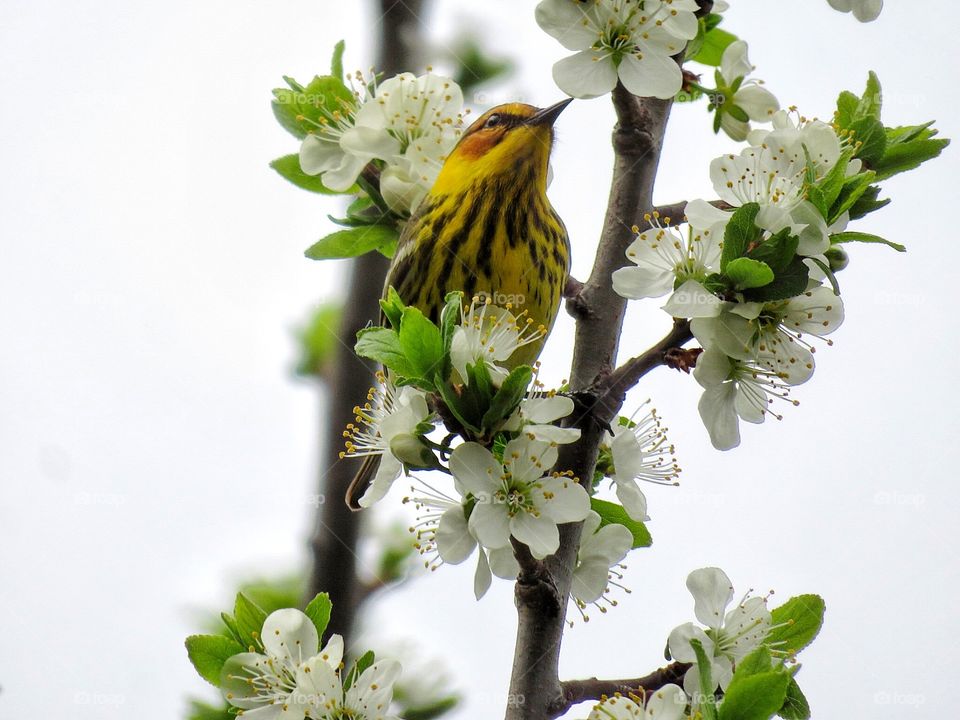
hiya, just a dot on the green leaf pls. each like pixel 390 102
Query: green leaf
pixel 383 346
pixel 362 663
pixel 421 344
pixel 363 211
pixel 455 404
pixel 747 273
pixel 846 108
pixel 352 242
pixel 905 156
pixel 755 697
pixel 449 316
pixel 870 138
pixel 853 188
pixel 200 710
pixel 613 514
pixel 392 307
pixel 249 617
pixel 872 99
pixel 867 203
pixel 828 271
pixel 758 661
pixel 232 630
pixel 431 711
pixel 799 620
pixel 795 705
pixel 208 653
pixel 318 610
pixel 288 167
pixel 336 62
pixel 300 111
pixel 825 192
pixel 508 397
pixel 740 233
pixel 852 236
pixel 777 251
pixel 715 41
pixel 788 283
pixel 479 389
pixel 708 702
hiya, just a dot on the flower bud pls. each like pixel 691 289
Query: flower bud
pixel 837 257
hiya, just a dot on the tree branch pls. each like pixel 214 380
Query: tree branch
pixel 535 689
pixel 333 566
pixel 577 691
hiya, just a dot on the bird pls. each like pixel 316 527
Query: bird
pixel 487 229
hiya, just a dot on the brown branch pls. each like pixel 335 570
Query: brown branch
pixel 535 688
pixel 333 564
pixel 675 211
pixel 577 691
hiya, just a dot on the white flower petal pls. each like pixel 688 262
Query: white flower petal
pixel 667 703
pixel 734 62
pixel 712 592
pixel 692 300
pixel 633 500
pixel 538 533
pixel 568 22
pixel 481 577
pixel 588 74
pixel 563 499
pixel 490 524
pixel 454 541
pixel 476 468
pixel 719 416
pixel 290 634
pixel 635 283
pixel 655 75
pixel 757 102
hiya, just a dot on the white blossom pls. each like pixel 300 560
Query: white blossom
pixel 863 10
pixel 641 451
pixel 266 684
pixel 535 417
pixel 601 549
pixel 390 417
pixel 321 695
pixel 755 100
pixel 728 636
pixel 667 703
pixel 632 41
pixel 735 390
pixel 664 256
pixel 517 497
pixel 490 334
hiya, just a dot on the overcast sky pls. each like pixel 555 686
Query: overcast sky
pixel 154 448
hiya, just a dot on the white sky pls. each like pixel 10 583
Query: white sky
pixel 153 448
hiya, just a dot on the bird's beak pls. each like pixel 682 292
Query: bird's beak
pixel 547 116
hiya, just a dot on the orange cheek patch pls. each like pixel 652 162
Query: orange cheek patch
pixel 477 144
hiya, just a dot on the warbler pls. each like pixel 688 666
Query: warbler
pixel 487 229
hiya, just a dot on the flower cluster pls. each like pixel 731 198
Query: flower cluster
pixel 408 124
pixel 728 636
pixel 749 279
pixel 630 41
pixel 294 678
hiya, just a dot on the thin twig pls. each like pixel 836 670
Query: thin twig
pixel 577 691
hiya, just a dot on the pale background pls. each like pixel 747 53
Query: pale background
pixel 153 448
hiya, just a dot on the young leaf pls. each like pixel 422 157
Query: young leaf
pixel 755 697
pixel 708 703
pixel 208 653
pixel 232 629
pixel 747 273
pixel 288 167
pixel 336 62
pixel 867 203
pixel 758 661
pixel 383 346
pixel 853 236
pixel 796 623
pixel 740 233
pixel 351 243
pixel 795 705
pixel 421 344
pixel 777 251
pixel 853 188
pixel 907 156
pixel 299 111
pixel 392 308
pixel 508 397
pixel 715 41
pixel 318 610
pixel 363 662
pixel 871 139
pixel 872 99
pixel 613 514
pixel 449 316
pixel 846 108
pixel 249 617
pixel 788 283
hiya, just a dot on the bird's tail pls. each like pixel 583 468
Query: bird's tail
pixel 361 481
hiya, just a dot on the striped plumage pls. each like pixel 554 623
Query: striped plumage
pixel 486 228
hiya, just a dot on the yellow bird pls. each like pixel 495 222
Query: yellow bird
pixel 486 228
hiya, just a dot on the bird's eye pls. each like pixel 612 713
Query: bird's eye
pixel 492 121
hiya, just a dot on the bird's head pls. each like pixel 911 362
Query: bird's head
pixel 501 141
